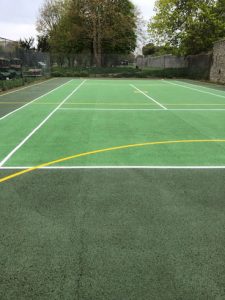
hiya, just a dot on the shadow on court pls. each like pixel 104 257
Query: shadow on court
pixel 113 234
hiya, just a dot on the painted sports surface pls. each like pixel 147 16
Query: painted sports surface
pixel 86 115
pixel 136 232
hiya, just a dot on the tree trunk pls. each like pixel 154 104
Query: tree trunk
pixel 95 50
pixel 97 41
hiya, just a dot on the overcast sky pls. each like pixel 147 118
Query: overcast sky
pixel 18 17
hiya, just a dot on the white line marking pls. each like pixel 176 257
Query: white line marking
pixel 140 109
pixel 206 87
pixel 12 112
pixel 194 89
pixel 114 167
pixel 197 109
pixel 107 109
pixel 133 86
pixel 26 87
pixel 38 127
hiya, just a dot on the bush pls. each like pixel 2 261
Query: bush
pixel 10 84
pixel 90 72
pixel 198 74
pixel 57 74
pixel 130 72
pixel 84 74
pixel 69 74
pixel 14 83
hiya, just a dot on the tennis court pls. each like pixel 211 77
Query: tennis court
pixel 112 189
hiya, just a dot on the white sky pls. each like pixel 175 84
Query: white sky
pixel 18 17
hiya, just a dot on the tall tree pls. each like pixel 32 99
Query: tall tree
pixel 49 16
pixel 149 49
pixel 43 43
pixel 27 43
pixel 192 26
pixel 99 25
pixel 110 25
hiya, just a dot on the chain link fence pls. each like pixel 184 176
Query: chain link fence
pixel 16 62
pixel 85 64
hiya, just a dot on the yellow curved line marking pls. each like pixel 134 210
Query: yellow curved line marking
pixel 105 150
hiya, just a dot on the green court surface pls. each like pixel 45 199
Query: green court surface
pixel 112 189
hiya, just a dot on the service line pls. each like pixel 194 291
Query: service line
pixel 194 89
pixel 133 86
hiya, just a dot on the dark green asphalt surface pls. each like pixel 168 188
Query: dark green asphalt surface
pixel 113 234
pixel 14 100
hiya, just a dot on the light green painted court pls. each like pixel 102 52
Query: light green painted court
pixel 112 189
pixel 77 116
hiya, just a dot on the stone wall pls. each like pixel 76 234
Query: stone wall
pixel 200 61
pixel 217 73
pixel 162 62
pixel 172 61
pixel 208 65
pixel 194 66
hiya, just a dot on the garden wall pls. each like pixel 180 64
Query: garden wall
pixel 217 73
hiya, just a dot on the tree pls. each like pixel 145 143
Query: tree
pixel 43 43
pixel 110 25
pixel 49 16
pixel 149 49
pixel 100 26
pixel 190 26
pixel 27 44
pixel 60 24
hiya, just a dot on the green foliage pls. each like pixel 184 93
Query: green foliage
pixel 27 44
pixel 57 74
pixel 97 26
pixel 131 72
pixel 190 26
pixel 149 49
pixel 90 72
pixel 14 83
pixel 43 43
pixel 9 84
